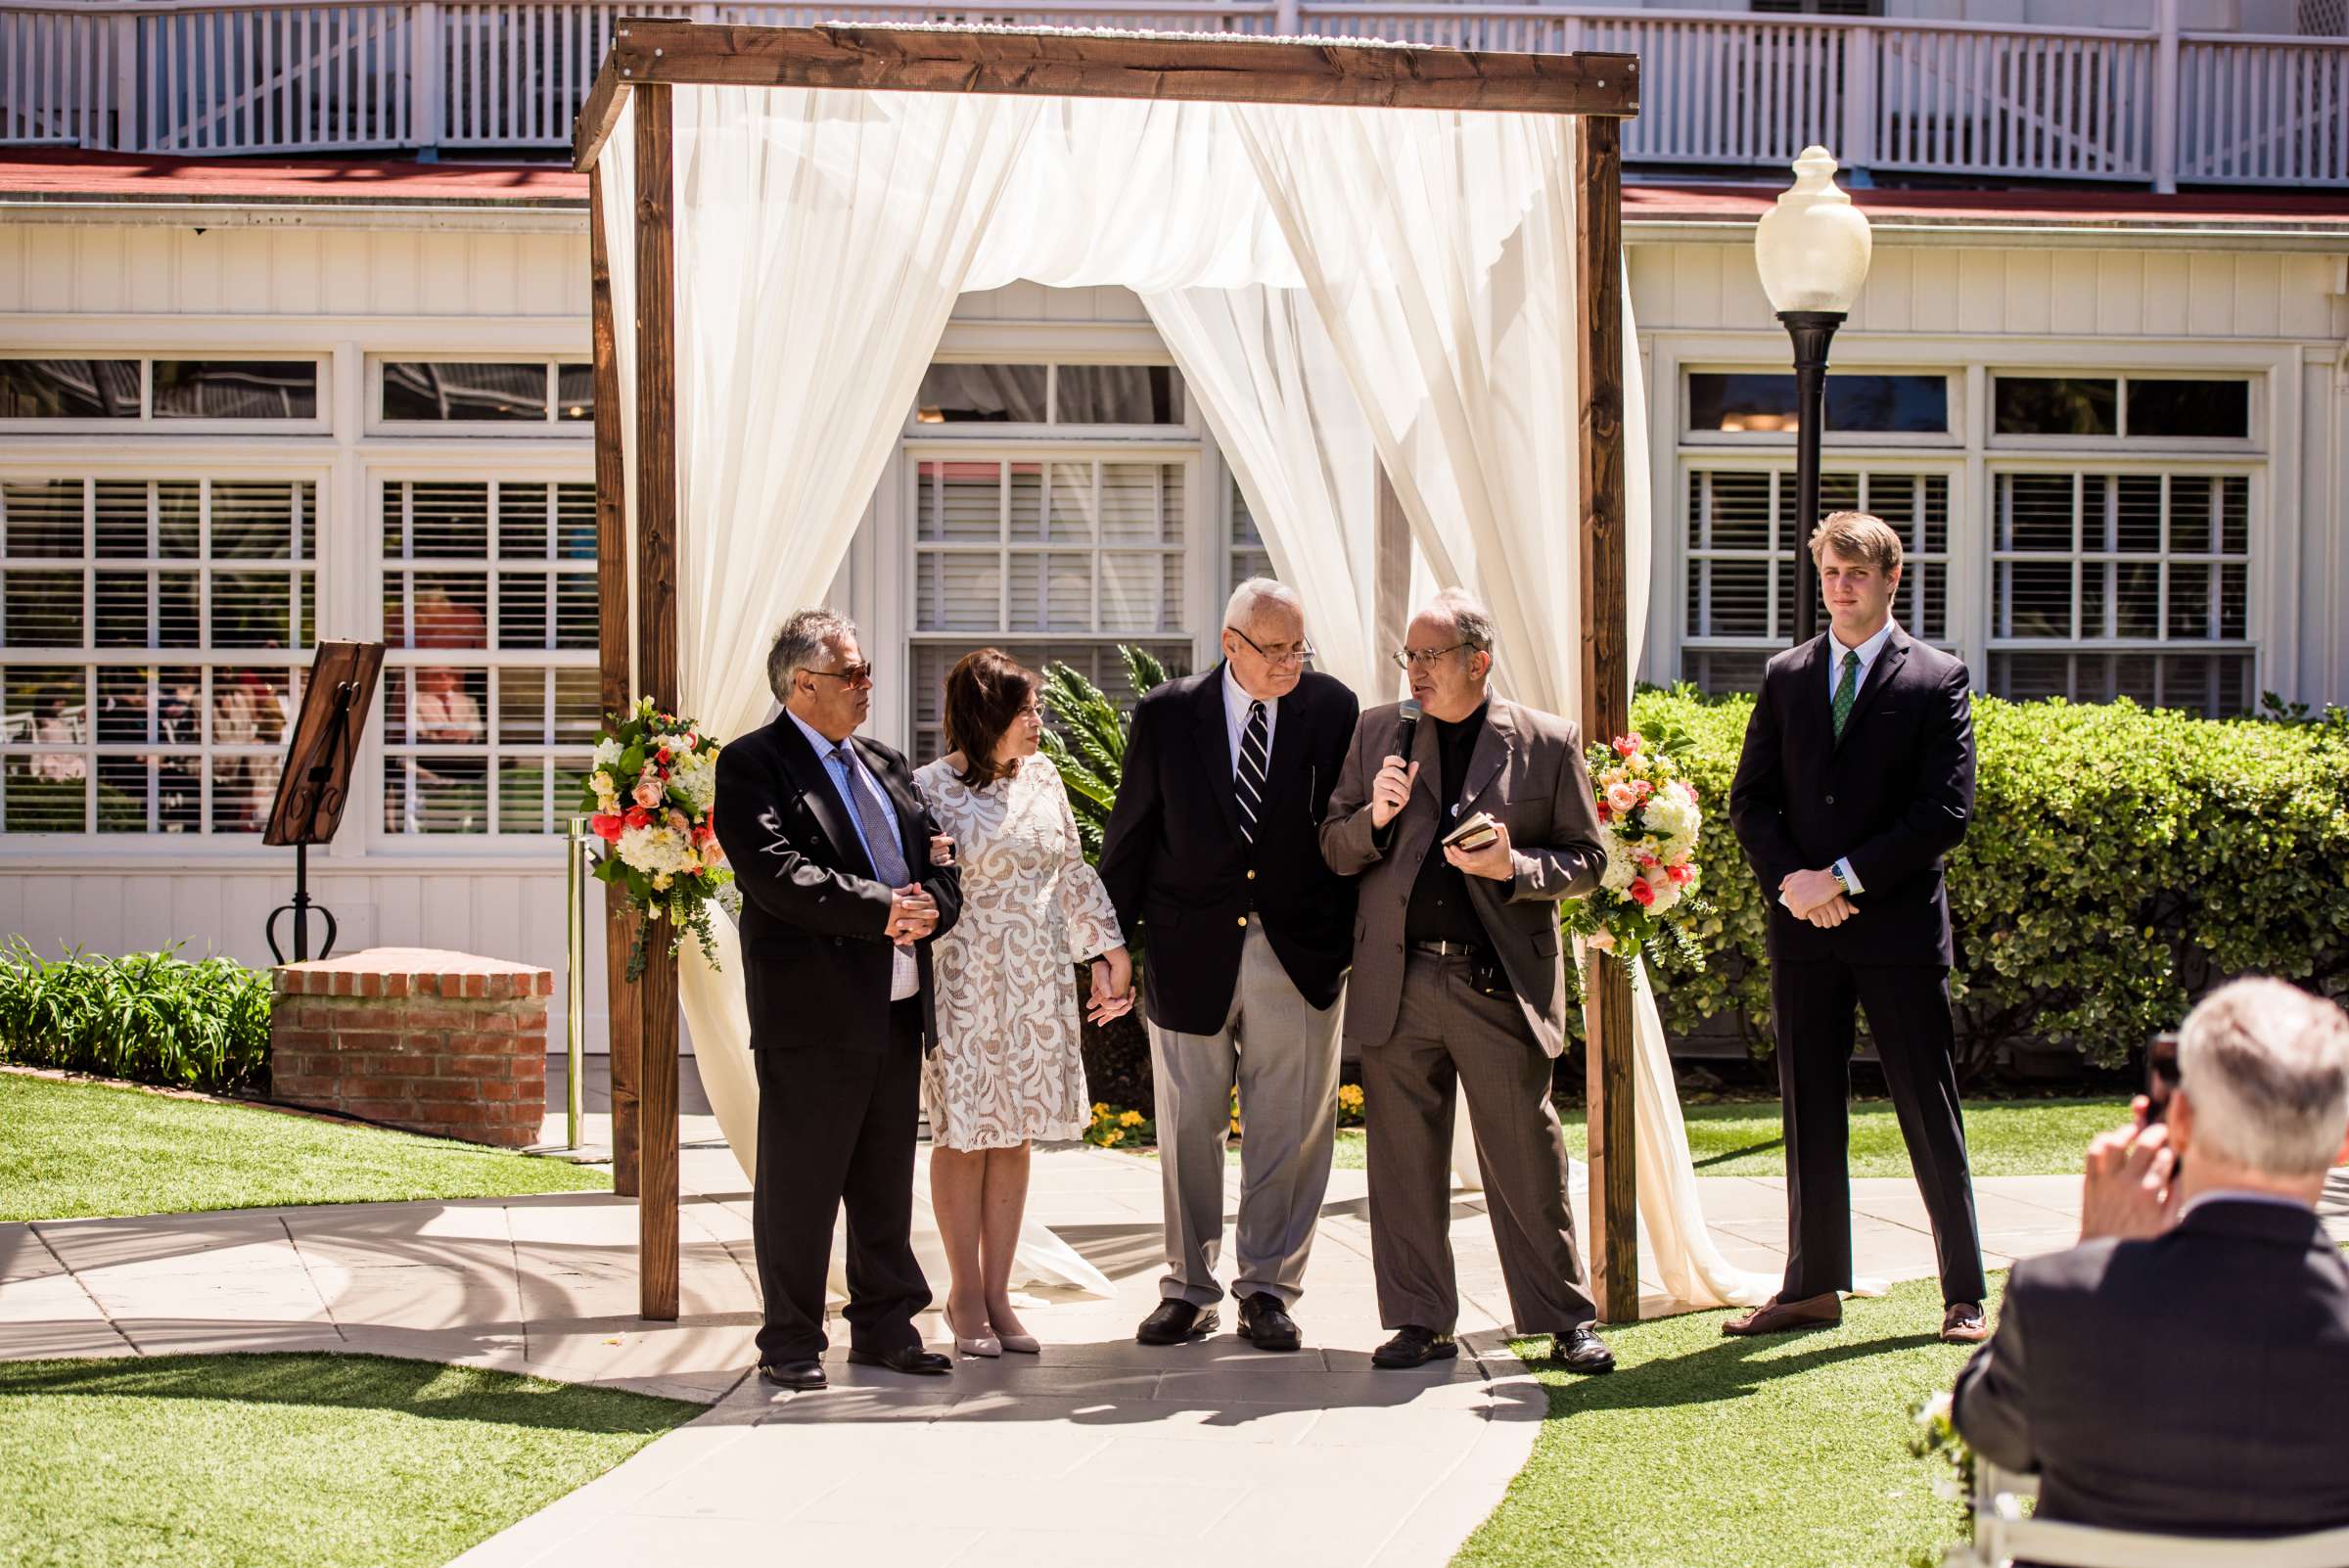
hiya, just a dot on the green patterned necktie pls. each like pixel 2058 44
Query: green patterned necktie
pixel 1847 690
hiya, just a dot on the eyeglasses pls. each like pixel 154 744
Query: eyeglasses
pixel 854 675
pixel 1409 659
pixel 1295 654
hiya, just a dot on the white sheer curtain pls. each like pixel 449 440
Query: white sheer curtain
pixel 1465 362
pixel 823 236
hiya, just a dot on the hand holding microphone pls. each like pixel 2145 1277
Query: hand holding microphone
pixel 1392 788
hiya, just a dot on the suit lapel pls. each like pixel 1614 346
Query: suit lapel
pixel 814 780
pixel 1887 665
pixel 1813 704
pixel 1215 747
pixel 1490 755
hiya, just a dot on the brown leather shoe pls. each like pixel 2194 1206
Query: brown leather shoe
pixel 1962 1324
pixel 1775 1316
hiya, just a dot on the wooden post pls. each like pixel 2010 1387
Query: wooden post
pixel 611 644
pixel 1606 695
pixel 656 567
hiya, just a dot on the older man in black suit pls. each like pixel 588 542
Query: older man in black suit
pixel 1858 776
pixel 2183 1369
pixel 830 844
pixel 1212 851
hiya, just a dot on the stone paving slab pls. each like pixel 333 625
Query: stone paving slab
pixel 1309 1458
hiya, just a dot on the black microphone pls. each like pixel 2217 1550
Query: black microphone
pixel 1408 713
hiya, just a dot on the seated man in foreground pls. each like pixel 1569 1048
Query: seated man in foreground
pixel 2183 1369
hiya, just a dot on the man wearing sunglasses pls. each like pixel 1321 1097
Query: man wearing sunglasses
pixel 1211 854
pixel 830 844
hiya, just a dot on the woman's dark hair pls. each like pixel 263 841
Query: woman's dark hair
pixel 985 691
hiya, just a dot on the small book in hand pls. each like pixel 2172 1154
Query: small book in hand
pixel 1473 834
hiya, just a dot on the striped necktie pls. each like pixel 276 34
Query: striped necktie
pixel 1250 779
pixel 1847 690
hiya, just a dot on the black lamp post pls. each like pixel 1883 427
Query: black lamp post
pixel 1813 250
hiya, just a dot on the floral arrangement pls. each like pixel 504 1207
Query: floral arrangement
pixel 1350 1105
pixel 1931 1432
pixel 1649 822
pixel 1112 1126
pixel 650 792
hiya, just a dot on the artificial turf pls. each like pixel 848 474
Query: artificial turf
pixel 318 1460
pixel 71 1149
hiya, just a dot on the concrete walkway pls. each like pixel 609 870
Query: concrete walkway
pixel 1154 1455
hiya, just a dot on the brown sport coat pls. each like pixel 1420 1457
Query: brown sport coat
pixel 1527 770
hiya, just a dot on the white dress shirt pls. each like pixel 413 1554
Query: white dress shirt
pixel 1867 652
pixel 904 976
pixel 1237 702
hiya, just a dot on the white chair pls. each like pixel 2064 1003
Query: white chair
pixel 2003 1536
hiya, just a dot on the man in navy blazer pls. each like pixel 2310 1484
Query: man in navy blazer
pixel 2183 1369
pixel 1858 776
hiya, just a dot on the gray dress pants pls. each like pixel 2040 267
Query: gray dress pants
pixel 1450 1037
pixel 1283 1051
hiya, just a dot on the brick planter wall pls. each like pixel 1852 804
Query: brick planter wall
pixel 433 1041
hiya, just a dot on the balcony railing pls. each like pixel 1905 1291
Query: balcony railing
pixel 195 76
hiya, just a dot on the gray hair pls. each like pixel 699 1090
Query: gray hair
pixel 1471 621
pixel 800 645
pixel 2266 1067
pixel 1240 609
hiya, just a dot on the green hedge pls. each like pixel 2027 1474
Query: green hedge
pixel 151 1017
pixel 2122 860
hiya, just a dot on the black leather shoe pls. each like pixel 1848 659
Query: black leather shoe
pixel 1266 1325
pixel 1175 1321
pixel 801 1376
pixel 1581 1351
pixel 1414 1346
pixel 911 1360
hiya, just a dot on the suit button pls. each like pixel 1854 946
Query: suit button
pixel 1243 920
pixel 1830 800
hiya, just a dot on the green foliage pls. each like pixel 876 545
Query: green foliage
pixel 2122 860
pixel 151 1017
pixel 1086 740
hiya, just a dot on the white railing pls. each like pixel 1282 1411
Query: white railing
pixel 1718 89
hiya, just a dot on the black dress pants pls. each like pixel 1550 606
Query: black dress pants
pixel 835 1125
pixel 1908 1016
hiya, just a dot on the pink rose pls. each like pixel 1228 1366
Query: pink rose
pixel 648 795
pixel 606 825
pixel 1623 798
pixel 1681 875
pixel 1600 940
pixel 1642 894
pixel 1626 745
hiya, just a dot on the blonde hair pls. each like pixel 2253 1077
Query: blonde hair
pixel 2266 1067
pixel 1858 536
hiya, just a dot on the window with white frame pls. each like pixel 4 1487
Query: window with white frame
pixel 2123 584
pixel 510 395
pixel 1740 532
pixel 490 692
pixel 1248 555
pixel 1052 557
pixel 153 637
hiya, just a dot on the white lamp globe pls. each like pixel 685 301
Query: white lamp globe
pixel 1812 247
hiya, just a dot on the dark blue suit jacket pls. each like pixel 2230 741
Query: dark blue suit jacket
pixel 1892 797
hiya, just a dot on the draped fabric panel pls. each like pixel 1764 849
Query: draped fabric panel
pixel 1341 288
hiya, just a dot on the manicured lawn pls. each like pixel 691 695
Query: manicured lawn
pixel 75 1149
pixel 2004 1137
pixel 316 1460
pixel 1787 1453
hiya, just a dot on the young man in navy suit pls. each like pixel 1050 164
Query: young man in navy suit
pixel 1857 779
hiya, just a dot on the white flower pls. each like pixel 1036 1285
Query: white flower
pixel 1672 816
pixel 694 776
pixel 607 753
pixel 1667 895
pixel 655 851
pixel 1622 870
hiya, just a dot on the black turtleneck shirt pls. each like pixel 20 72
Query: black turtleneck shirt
pixel 1440 910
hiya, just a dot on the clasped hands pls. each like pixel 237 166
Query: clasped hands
pixel 1391 791
pixel 912 913
pixel 1817 897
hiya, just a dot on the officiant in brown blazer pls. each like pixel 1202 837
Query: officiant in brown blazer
pixel 1460 982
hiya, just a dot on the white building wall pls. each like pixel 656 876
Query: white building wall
pixel 350 286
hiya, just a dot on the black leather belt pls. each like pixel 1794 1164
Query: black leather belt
pixel 1451 950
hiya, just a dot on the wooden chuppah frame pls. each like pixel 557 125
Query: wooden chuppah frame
pixel 648 56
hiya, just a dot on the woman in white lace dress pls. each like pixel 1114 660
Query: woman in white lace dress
pixel 1007 1068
